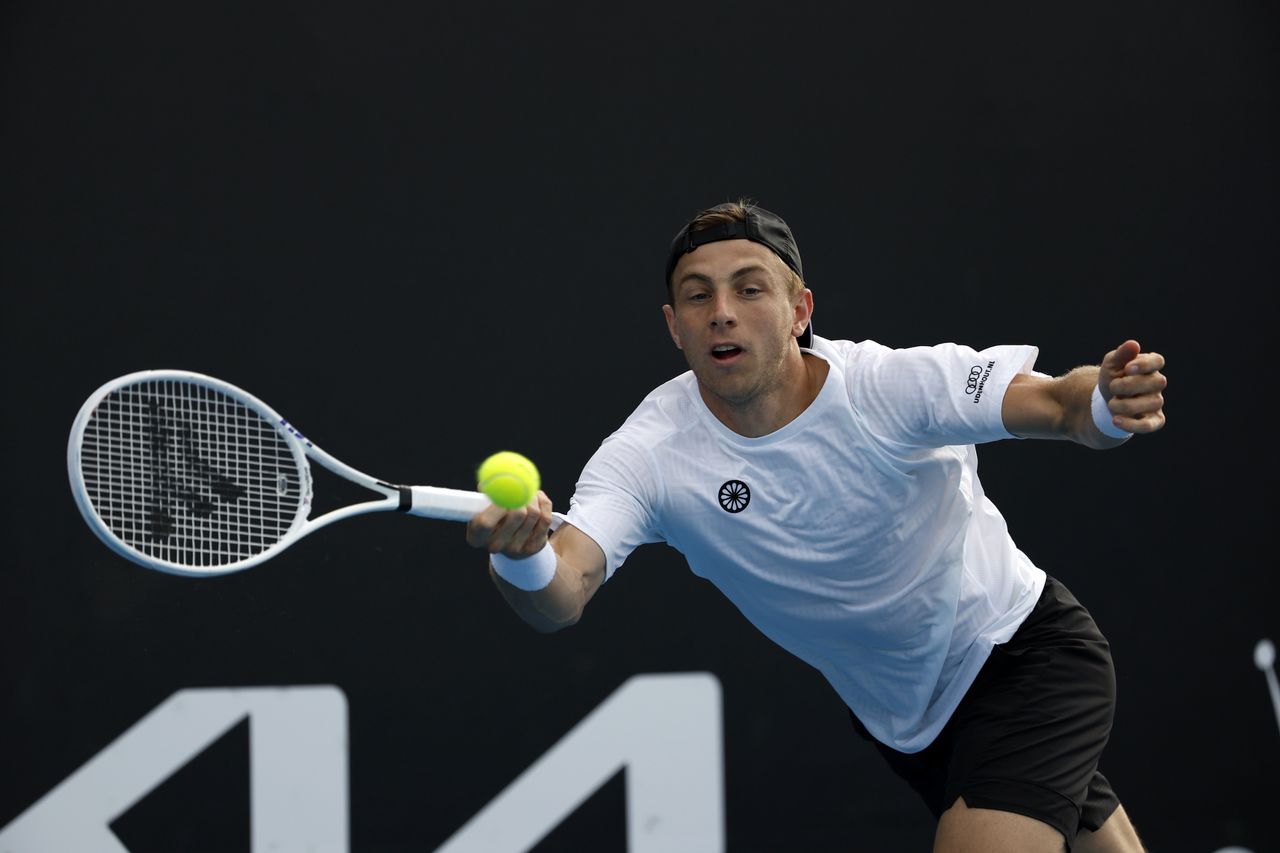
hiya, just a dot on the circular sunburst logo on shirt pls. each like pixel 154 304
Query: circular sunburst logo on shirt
pixel 734 496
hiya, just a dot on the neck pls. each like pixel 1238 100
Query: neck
pixel 797 386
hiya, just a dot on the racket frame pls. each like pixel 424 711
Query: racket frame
pixel 424 501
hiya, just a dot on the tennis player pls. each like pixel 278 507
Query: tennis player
pixel 830 489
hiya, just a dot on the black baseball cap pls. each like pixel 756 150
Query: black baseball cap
pixel 761 226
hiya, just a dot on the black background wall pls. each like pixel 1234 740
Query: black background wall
pixel 426 232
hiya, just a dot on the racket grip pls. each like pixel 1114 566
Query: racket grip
pixel 446 504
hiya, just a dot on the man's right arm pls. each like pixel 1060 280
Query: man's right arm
pixel 520 534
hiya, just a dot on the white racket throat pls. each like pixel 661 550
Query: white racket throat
pixel 187 474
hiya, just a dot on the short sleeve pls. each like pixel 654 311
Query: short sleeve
pixel 946 394
pixel 615 500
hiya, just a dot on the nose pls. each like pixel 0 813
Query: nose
pixel 722 314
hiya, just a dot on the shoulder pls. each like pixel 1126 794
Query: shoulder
pixel 846 353
pixel 666 411
pixel 947 362
pixel 662 418
pixel 854 362
pixel 926 396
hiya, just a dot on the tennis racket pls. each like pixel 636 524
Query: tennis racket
pixel 190 475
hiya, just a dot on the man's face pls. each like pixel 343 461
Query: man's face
pixel 733 317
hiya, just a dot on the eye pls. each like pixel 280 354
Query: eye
pixel 751 290
pixel 699 296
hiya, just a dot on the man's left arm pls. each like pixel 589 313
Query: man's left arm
pixel 1130 385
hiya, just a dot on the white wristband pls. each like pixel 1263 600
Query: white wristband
pixel 1102 417
pixel 528 573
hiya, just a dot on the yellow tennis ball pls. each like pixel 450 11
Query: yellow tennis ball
pixel 508 479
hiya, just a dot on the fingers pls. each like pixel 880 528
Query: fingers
pixel 1127 371
pixel 1136 406
pixel 515 533
pixel 1147 422
pixel 1141 376
pixel 1132 383
pixel 1137 400
pixel 482 525
pixel 1145 362
pixel 1114 362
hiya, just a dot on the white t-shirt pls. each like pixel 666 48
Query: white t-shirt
pixel 857 536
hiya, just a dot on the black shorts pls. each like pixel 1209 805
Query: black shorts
pixel 1028 734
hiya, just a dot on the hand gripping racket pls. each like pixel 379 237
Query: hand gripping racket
pixel 190 475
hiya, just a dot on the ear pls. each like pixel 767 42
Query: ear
pixel 803 312
pixel 670 314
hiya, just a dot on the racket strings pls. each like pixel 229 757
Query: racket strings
pixel 183 473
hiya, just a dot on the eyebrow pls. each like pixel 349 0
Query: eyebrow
pixel 738 273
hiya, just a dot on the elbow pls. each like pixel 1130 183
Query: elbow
pixel 547 616
pixel 548 626
pixel 548 622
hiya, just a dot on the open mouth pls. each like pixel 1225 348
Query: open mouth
pixel 725 352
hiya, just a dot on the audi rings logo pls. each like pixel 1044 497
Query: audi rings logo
pixel 734 496
pixel 975 373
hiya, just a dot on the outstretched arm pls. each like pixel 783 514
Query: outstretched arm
pixel 522 535
pixel 1129 381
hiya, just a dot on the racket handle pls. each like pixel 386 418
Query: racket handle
pixel 446 504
